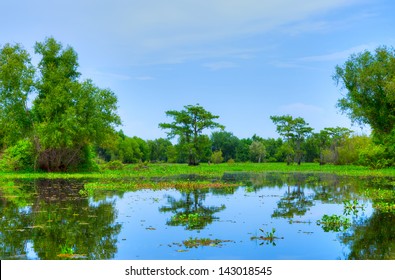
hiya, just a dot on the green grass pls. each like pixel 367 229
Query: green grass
pixel 213 170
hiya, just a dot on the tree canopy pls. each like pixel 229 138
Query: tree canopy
pixel 189 125
pixel 67 115
pixel 369 81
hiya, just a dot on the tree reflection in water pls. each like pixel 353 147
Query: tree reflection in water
pixel 189 211
pixel 58 218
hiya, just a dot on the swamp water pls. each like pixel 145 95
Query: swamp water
pixel 256 216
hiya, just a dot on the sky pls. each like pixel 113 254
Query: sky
pixel 243 60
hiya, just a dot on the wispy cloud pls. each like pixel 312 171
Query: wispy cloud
pixel 338 55
pixel 151 30
pixel 214 66
pixel 308 62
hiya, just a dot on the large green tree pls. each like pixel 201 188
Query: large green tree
pixel 188 125
pixel 369 81
pixel 67 117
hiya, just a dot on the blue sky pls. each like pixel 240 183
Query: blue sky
pixel 243 60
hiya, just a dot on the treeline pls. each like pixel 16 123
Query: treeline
pixel 331 145
pixel 52 120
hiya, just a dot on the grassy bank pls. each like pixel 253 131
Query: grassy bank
pixel 213 170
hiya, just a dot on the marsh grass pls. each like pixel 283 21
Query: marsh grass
pixel 209 171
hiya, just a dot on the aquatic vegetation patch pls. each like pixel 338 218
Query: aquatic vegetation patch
pixel 199 242
pixel 334 223
pixel 387 207
pixel 268 237
pixel 352 207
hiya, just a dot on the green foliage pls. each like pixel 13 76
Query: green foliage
pixel 217 157
pixel 67 115
pixel 88 160
pixel 226 142
pixel 334 223
pixel 349 151
pixel 368 79
pixel 188 125
pixel 115 165
pixel 375 156
pixel 294 131
pixel 243 150
pixel 16 83
pixel 18 157
pixel 257 151
pixel 158 150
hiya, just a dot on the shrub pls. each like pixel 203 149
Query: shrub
pixel 216 157
pixel 114 165
pixel 375 156
pixel 18 157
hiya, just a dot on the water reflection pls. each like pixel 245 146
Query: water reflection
pixel 189 211
pixel 56 223
pixel 54 219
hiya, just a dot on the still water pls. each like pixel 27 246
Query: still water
pixel 267 216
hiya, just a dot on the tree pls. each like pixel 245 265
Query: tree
pixel 243 150
pixel 226 142
pixel 189 125
pixel 294 131
pixel 217 157
pixel 16 83
pixel 69 115
pixel 369 79
pixel 257 151
pixel 158 149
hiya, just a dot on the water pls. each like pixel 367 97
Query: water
pixel 269 216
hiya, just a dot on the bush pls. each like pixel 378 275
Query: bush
pixel 18 157
pixel 89 160
pixel 114 165
pixel 375 156
pixel 216 157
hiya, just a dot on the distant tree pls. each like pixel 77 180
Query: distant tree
pixel 216 157
pixel 294 131
pixel 158 149
pixel 189 125
pixel 272 146
pixel 257 151
pixel 226 142
pixel 243 150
